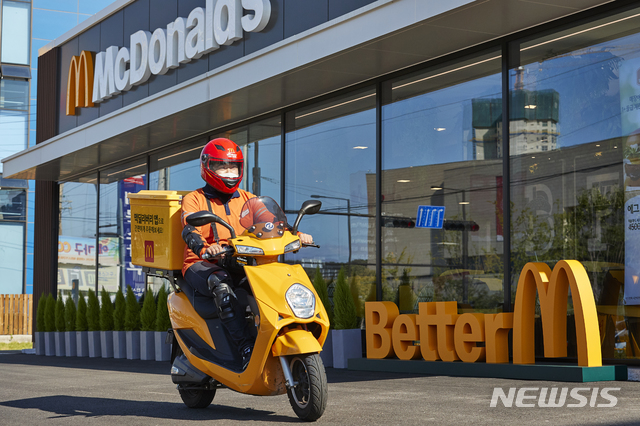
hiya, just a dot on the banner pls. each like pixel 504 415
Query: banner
pixel 630 118
pixel 132 274
pixel 82 251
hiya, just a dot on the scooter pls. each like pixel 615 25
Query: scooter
pixel 290 324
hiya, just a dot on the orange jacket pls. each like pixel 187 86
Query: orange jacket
pixel 196 201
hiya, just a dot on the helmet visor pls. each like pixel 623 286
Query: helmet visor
pixel 224 168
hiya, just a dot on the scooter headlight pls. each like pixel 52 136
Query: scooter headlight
pixel 301 300
pixel 292 246
pixel 249 250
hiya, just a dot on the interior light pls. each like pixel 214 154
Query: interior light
pixel 436 188
pixel 404 180
pixel 360 147
pixel 615 147
pixel 439 129
pixel 463 202
pixel 530 106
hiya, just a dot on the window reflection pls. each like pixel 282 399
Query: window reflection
pixel 77 237
pixel 439 152
pixel 574 191
pixel 330 156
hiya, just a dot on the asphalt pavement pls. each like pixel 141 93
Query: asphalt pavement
pixel 38 390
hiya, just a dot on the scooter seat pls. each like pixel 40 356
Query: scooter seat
pixel 204 305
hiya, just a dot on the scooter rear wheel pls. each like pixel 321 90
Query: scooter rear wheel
pixel 309 397
pixel 197 398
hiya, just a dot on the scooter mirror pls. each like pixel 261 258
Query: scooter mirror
pixel 311 207
pixel 201 218
pixel 308 207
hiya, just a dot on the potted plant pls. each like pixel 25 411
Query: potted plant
pixel 323 294
pixel 163 323
pixel 60 325
pixel 132 325
pixel 106 324
pixel 82 335
pixel 347 336
pixel 50 326
pixel 147 327
pixel 119 335
pixel 39 334
pixel 93 324
pixel 70 345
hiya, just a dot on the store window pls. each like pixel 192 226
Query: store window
pixel 442 186
pixel 115 269
pixel 14 116
pixel 16 32
pixel 579 198
pixel 331 157
pixel 77 248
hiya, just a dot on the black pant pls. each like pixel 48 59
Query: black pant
pixel 237 327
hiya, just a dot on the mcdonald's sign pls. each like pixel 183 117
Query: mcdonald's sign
pixel 80 82
pixel 148 251
pixel 438 332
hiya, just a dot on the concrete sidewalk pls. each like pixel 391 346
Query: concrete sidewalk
pixel 20 338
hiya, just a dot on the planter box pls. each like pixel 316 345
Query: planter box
pixel 70 345
pixel 94 344
pixel 147 345
pixel 39 342
pixel 82 343
pixel 327 350
pixel 163 350
pixel 49 344
pixel 119 344
pixel 59 338
pixel 133 344
pixel 347 344
pixel 106 344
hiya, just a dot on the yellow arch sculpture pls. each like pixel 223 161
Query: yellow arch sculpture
pixel 553 288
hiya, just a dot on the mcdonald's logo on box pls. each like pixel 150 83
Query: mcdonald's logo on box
pixel 148 251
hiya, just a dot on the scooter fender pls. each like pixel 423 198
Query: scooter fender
pixel 295 342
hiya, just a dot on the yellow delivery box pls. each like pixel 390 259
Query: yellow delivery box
pixel 156 229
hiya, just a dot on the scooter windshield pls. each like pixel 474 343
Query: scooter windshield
pixel 263 217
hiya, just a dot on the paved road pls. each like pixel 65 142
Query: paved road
pixel 38 390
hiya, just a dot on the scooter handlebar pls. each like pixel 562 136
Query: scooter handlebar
pixel 311 245
pixel 227 250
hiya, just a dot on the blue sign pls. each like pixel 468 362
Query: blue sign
pixel 430 217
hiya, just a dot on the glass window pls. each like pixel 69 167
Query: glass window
pixel 114 227
pixel 77 236
pixel 441 160
pixel 12 257
pixel 13 204
pixel 578 196
pixel 331 156
pixel 14 94
pixel 16 32
pixel 13 128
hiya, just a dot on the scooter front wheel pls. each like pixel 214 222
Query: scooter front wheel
pixel 197 398
pixel 308 397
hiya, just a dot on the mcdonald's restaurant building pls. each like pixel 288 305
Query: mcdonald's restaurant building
pixel 450 142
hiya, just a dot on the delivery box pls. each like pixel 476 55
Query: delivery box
pixel 156 229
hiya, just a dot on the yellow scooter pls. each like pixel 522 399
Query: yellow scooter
pixel 291 324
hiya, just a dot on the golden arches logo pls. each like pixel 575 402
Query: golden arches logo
pixel 80 82
pixel 149 254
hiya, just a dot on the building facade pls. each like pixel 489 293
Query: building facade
pixel 382 110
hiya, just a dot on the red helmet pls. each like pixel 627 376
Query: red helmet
pixel 217 153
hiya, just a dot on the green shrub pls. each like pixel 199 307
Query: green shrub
pixel 344 315
pixel 148 312
pixel 106 311
pixel 50 314
pixel 355 295
pixel 132 312
pixel 323 294
pixel 93 312
pixel 70 314
pixel 81 314
pixel 42 306
pixel 163 322
pixel 59 313
pixel 118 312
